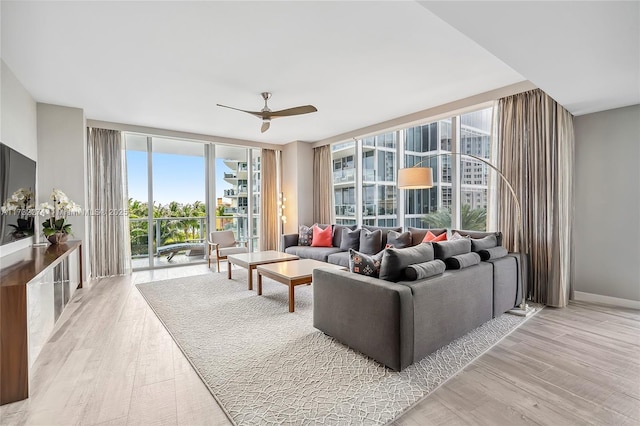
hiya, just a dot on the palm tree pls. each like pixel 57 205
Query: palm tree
pixel 472 219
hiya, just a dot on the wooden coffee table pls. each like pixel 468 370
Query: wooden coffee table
pixel 249 261
pixel 291 274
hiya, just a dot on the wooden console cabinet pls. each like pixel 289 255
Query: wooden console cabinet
pixel 36 284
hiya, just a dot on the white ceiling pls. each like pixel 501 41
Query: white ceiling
pixel 166 64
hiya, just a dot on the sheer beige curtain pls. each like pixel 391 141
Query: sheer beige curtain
pixel 109 245
pixel 323 198
pixel 535 152
pixel 269 226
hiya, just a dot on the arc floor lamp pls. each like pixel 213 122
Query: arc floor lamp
pixel 422 178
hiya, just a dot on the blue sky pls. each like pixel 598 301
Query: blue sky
pixel 178 178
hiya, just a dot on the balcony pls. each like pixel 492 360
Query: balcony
pixel 186 234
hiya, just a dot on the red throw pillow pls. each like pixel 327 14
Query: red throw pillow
pixel 322 237
pixel 430 237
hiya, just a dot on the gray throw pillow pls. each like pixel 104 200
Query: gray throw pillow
pixel 337 233
pixel 384 230
pixel 479 234
pixel 446 249
pixel 364 264
pixel 423 270
pixel 490 241
pixel 370 241
pixel 398 240
pixel 462 261
pixel 395 260
pixel 350 239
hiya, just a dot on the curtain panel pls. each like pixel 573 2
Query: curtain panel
pixel 109 243
pixel 536 152
pixel 323 197
pixel 269 233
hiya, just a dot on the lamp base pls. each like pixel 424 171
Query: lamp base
pixel 522 311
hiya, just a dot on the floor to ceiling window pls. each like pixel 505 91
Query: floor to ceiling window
pixel 379 204
pixel 171 230
pixel 238 192
pixel 344 182
pixel 365 175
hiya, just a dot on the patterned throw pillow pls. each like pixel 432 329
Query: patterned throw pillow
pixel 305 235
pixel 365 264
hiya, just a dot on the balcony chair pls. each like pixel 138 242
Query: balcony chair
pixel 223 243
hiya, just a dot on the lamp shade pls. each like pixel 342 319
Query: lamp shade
pixel 415 178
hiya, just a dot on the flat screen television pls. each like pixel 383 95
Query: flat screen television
pixel 17 195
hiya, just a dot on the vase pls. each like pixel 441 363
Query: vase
pixel 58 237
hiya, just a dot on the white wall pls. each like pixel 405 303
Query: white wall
pixel 62 154
pixel 606 226
pixel 297 185
pixel 18 129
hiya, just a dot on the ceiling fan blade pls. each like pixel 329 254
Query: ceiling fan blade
pixel 306 109
pixel 258 114
pixel 265 126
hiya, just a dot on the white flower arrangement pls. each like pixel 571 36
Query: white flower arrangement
pixel 21 203
pixel 58 210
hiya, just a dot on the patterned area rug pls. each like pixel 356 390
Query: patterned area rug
pixel 265 365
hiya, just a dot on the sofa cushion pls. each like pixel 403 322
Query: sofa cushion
pixel 487 242
pixel 322 237
pixel 462 261
pixel 340 259
pixel 420 271
pixel 446 249
pixel 395 260
pixel 417 234
pixel 370 241
pixel 350 239
pixel 317 253
pixel 337 233
pixel 479 234
pixel 384 230
pixel 430 237
pixel 398 240
pixel 365 264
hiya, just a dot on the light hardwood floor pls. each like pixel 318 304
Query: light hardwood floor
pixel 111 362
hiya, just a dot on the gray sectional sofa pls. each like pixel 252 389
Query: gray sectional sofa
pixel 399 323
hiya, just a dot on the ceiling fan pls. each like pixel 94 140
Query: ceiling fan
pixel 266 114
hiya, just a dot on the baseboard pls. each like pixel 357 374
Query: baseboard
pixel 607 300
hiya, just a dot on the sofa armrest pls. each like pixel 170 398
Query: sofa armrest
pixel 372 316
pixel 289 240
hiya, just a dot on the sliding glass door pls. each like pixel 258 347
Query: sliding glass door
pixel 172 229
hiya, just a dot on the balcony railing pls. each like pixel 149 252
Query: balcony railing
pixel 176 231
pixel 346 210
pixel 344 175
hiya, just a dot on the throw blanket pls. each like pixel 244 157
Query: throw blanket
pixel 424 270
pixel 462 260
pixel 493 253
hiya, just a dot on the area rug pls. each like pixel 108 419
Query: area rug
pixel 265 365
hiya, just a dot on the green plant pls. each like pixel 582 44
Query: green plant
pixel 472 219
